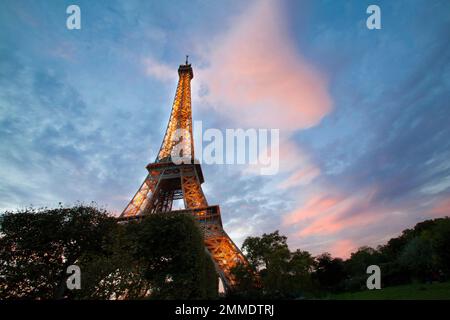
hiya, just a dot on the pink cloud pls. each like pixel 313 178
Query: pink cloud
pixel 314 207
pixel 340 223
pixel 327 215
pixel 441 208
pixel 302 176
pixel 343 248
pixel 257 76
pixel 335 222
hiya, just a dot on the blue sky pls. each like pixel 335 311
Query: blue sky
pixel 364 114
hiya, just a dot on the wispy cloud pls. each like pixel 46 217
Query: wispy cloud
pixel 342 248
pixel 159 70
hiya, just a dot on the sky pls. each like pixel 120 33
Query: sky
pixel 363 114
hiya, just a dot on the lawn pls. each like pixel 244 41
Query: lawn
pixel 435 291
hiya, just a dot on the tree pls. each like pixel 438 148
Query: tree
pixel 440 241
pixel 283 274
pixel 163 256
pixel 329 272
pixel 113 273
pixel 301 266
pixel 356 266
pixel 262 251
pixel 417 256
pixel 418 253
pixel 170 249
pixel 269 256
pixel 361 259
pixel 160 257
pixel 246 283
pixel 37 246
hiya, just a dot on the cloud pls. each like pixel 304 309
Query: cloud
pixel 326 215
pixel 388 135
pixel 158 70
pixel 257 77
pixel 296 162
pixel 59 146
pixel 353 220
pixel 293 165
pixel 342 248
pixel 441 208
pixel 313 207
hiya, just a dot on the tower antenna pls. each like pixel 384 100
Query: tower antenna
pixel 187 57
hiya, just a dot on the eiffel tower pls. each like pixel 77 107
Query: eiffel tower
pixel 168 181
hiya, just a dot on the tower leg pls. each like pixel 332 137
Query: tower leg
pixel 139 203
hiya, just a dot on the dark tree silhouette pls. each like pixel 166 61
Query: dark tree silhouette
pixel 162 256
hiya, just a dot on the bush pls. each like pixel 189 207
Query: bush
pixel 37 246
pixel 163 256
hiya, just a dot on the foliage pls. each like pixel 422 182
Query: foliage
pixel 246 283
pixel 114 275
pixel 418 254
pixel 37 246
pixel 355 268
pixel 170 248
pixel 162 255
pixel 329 272
pixel 440 241
pixel 282 273
pixel 262 251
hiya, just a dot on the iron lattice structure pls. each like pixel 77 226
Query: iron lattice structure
pixel 167 181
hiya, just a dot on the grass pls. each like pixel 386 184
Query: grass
pixel 434 291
